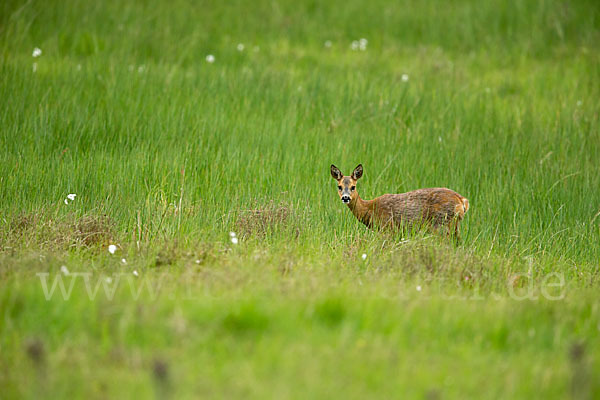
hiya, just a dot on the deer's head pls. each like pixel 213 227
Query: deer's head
pixel 347 184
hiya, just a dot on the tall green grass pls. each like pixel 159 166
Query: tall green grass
pixel 123 109
pixel 512 126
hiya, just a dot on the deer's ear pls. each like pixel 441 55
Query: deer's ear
pixel 357 173
pixel 336 173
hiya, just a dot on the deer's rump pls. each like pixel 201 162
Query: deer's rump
pixel 435 206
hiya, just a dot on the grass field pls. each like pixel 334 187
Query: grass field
pixel 177 122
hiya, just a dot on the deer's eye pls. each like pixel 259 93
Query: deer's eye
pixel 352 188
pixel 339 188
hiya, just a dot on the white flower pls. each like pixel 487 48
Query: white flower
pixel 34 67
pixel 197 261
pixel 135 272
pixel 112 248
pixel 418 288
pixel 36 52
pixel 232 234
pixel 240 47
pixel 108 279
pixel 123 261
pixel 362 44
pixel 404 77
pixel 141 69
pixel 328 44
pixel 64 270
pixel 364 256
pixel 355 45
pixel 210 58
pixel 440 139
pixel 234 240
pixel 70 196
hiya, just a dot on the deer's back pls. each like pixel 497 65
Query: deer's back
pixel 434 205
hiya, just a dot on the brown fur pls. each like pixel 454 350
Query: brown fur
pixel 435 207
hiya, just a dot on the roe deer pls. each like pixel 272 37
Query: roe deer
pixel 434 207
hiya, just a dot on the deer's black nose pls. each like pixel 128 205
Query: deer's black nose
pixel 346 199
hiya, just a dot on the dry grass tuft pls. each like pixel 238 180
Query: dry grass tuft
pixel 91 230
pixel 50 232
pixel 35 351
pixel 262 220
pixel 160 370
pixel 23 222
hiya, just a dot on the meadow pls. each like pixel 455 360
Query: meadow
pixel 176 123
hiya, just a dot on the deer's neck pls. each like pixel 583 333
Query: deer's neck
pixel 361 210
